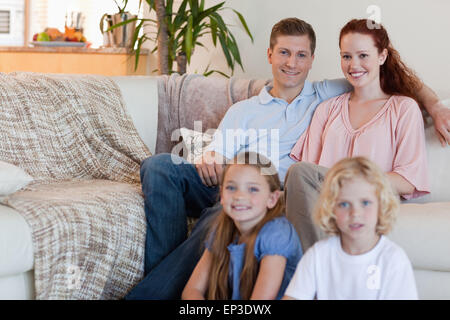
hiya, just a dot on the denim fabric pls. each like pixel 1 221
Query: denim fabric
pixel 173 191
pixel 168 279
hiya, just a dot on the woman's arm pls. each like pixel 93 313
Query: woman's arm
pixel 195 288
pixel 270 276
pixel 437 111
pixel 400 184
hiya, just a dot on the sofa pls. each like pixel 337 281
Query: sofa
pixel 421 228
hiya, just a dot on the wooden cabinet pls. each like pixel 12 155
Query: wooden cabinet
pixel 104 61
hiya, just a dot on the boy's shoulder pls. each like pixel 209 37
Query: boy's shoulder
pixel 392 252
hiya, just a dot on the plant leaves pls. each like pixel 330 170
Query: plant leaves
pixel 244 23
pixel 226 52
pixel 121 24
pixel 188 44
pixel 213 27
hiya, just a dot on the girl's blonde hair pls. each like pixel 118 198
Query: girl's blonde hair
pixel 344 170
pixel 225 232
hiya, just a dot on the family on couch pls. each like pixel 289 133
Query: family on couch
pixel 374 113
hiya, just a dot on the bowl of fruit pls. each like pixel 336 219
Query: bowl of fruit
pixel 52 37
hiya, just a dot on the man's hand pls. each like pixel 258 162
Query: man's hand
pixel 210 168
pixel 441 119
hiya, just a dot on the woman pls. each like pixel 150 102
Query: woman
pixel 379 119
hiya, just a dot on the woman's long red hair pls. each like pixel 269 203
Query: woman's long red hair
pixel 395 77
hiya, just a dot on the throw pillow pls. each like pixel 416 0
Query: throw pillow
pixel 12 178
pixel 194 143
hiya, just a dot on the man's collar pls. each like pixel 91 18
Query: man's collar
pixel 265 97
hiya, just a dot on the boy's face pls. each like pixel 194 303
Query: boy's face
pixel 291 60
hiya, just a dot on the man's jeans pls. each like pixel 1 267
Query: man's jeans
pixel 173 191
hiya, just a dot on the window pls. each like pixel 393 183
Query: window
pixel 5 20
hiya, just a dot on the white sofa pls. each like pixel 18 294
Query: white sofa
pixel 422 229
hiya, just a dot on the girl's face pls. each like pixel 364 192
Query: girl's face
pixel 246 196
pixel 360 60
pixel 356 213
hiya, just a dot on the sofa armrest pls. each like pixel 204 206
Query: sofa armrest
pixel 140 94
pixel 16 247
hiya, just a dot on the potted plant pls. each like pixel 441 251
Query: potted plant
pixel 122 34
pixel 180 31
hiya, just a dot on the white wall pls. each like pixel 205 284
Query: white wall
pixel 419 30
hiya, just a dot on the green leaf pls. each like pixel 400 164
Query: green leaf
pixel 169 6
pixel 220 23
pixel 121 24
pixel 136 34
pixel 208 12
pixel 213 27
pixel 188 39
pixel 151 4
pixel 241 18
pixel 235 50
pixel 193 4
pixel 137 52
pixel 181 16
pixel 223 43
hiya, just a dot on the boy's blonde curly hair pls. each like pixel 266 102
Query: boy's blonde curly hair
pixel 344 170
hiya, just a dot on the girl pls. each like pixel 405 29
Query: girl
pixel 358 206
pixel 252 250
pixel 379 119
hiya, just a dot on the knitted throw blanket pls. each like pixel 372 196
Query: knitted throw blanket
pixel 85 206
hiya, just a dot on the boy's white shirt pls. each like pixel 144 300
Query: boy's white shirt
pixel 326 272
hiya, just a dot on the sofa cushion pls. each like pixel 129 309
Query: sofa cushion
pixel 439 171
pixel 16 247
pixel 422 231
pixel 12 178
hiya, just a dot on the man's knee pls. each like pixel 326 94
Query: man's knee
pixel 301 172
pixel 162 162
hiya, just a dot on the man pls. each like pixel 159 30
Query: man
pixel 287 106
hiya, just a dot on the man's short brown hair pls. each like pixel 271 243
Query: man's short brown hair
pixel 293 27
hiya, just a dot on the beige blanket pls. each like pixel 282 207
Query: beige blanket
pixel 85 207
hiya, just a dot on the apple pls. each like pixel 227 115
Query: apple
pixel 43 36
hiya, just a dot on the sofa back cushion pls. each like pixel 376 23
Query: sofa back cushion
pixel 438 167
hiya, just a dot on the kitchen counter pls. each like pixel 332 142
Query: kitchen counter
pixel 71 50
pixel 105 61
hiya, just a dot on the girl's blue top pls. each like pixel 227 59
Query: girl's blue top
pixel 277 237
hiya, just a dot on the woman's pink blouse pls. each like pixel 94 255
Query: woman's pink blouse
pixel 394 139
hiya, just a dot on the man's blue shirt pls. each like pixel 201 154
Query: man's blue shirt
pixel 270 125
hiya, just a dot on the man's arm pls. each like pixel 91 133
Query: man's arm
pixel 440 113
